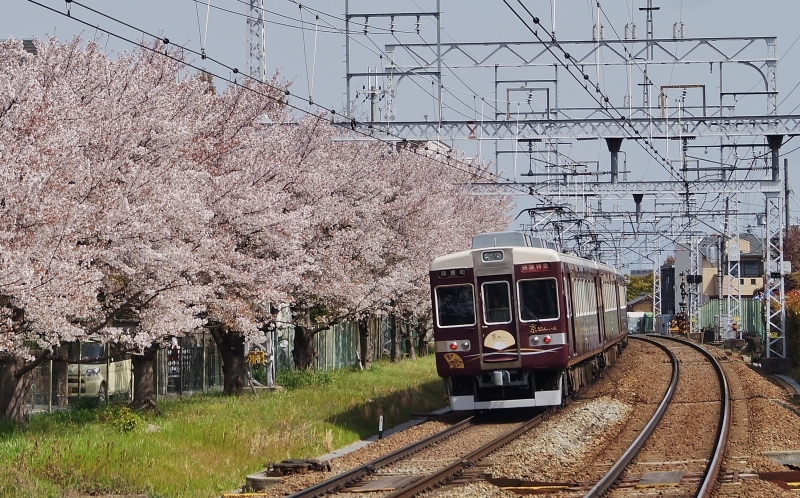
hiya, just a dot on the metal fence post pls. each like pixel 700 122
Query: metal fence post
pixel 50 390
pixel 205 367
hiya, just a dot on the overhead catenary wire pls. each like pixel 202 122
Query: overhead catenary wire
pixel 603 100
pixel 452 162
pixel 310 94
pixel 203 38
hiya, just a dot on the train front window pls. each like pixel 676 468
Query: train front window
pixel 455 305
pixel 537 300
pixel 496 302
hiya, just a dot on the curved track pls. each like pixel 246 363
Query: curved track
pixel 709 476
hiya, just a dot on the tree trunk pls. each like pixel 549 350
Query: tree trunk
pixel 231 351
pixel 365 343
pixel 303 352
pixel 422 339
pixel 408 340
pixel 60 390
pixel 144 379
pixel 394 353
pixel 13 390
pixel 411 348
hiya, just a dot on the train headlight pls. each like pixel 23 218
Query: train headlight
pixel 459 346
pixel 492 256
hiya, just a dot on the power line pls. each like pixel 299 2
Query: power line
pixel 353 124
pixel 603 100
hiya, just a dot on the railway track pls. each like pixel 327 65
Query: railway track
pixel 678 452
pixel 676 448
pixel 573 449
pixel 674 452
pixel 423 464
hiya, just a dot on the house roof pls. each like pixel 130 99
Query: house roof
pixel 640 299
pixel 755 242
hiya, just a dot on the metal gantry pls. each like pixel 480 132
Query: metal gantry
pixel 527 118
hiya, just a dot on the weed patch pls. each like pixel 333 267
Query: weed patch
pixel 205 445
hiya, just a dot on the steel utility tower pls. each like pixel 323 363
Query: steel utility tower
pixel 257 69
pixel 256 41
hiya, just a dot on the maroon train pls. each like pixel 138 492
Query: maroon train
pixel 521 326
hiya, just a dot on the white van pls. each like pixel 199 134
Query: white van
pixel 102 379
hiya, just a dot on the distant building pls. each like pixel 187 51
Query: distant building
pixel 641 303
pixel 746 258
pixel 27 45
pixel 668 289
pixel 640 273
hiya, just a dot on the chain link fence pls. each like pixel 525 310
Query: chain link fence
pixel 188 365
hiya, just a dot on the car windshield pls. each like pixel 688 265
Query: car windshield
pixel 91 350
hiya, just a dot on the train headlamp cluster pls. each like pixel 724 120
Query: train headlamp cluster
pixel 459 346
pixel 535 340
pixel 487 256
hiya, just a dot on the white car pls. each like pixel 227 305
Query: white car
pixel 98 380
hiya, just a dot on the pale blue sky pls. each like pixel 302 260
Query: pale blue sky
pixel 314 58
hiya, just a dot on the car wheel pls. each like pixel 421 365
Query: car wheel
pixel 102 393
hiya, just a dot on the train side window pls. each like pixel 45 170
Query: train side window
pixel 537 300
pixel 455 305
pixel 496 302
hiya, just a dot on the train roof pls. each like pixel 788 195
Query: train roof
pixel 522 253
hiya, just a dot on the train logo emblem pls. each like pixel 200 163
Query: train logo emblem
pixel 454 360
pixel 499 339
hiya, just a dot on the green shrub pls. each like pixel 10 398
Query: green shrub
pixel 122 419
pixel 296 379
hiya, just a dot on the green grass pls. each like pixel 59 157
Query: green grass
pixel 205 445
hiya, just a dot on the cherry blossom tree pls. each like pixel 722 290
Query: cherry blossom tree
pixel 104 214
pixel 132 193
pixel 376 215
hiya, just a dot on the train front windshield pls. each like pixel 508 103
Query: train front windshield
pixel 455 305
pixel 537 300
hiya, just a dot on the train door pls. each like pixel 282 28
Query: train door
pixel 569 314
pixel 601 309
pixel 499 336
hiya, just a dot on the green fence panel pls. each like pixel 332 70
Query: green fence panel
pixel 750 318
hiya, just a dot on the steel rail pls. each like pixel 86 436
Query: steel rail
pixel 723 427
pixel 712 469
pixel 340 481
pixel 608 480
pixel 465 462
